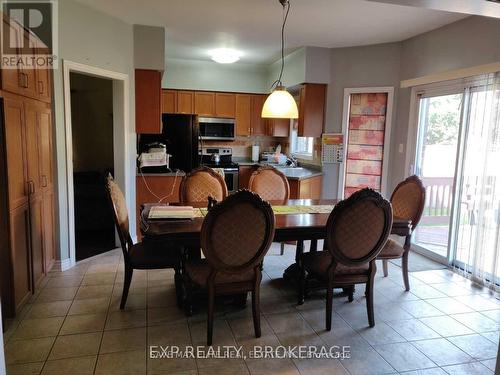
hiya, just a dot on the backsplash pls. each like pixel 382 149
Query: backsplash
pixel 242 146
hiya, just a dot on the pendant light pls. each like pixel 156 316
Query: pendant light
pixel 280 104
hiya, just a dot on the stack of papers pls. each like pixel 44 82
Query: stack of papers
pixel 172 212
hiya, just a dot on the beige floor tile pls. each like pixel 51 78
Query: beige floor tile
pixel 476 346
pixel 320 366
pixel 94 291
pixel 134 301
pixel 99 279
pixel 64 281
pixel 404 357
pixel 49 309
pixel 163 366
pixel 446 326
pixel 122 363
pixel 161 299
pixel 89 306
pixel 79 345
pixel 123 340
pixel 169 334
pixel 25 369
pixel 102 268
pixel 227 369
pixel 83 324
pixel 140 287
pixel 126 319
pixel 468 369
pixel 57 294
pixel 35 328
pixel 24 351
pixel 442 352
pixel 161 315
pixel 272 366
pixel 366 361
pixel 73 366
pixel 222 334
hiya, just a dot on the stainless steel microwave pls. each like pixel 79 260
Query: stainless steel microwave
pixel 221 129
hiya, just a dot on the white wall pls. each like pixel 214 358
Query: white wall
pixel 211 76
pixel 90 37
pixel 294 72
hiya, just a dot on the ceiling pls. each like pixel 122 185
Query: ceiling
pixel 194 27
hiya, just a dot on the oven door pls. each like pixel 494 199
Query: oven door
pixel 216 128
pixel 232 180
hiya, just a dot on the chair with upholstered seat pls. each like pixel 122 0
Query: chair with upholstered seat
pixel 202 183
pixel 271 185
pixel 408 201
pixel 143 256
pixel 233 253
pixel 356 231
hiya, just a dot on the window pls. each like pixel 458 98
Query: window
pixel 300 146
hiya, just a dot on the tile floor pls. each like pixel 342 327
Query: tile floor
pixel 73 325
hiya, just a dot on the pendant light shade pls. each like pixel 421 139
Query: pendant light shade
pixel 280 104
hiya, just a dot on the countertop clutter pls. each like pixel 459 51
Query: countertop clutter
pixel 297 173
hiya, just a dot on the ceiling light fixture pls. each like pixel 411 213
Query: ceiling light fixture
pixel 225 55
pixel 280 104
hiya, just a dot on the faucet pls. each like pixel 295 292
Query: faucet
pixel 292 161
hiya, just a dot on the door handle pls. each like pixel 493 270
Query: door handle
pixel 31 188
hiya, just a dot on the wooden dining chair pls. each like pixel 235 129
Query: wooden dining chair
pixel 235 236
pixel 271 185
pixel 408 201
pixel 356 231
pixel 143 256
pixel 202 183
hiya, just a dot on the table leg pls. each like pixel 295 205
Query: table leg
pixel 292 273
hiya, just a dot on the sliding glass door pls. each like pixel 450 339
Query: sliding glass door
pixel 458 159
pixel 436 164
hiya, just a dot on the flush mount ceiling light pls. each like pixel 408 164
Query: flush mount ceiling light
pixel 280 104
pixel 225 55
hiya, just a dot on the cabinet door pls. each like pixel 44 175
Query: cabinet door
pixel 245 173
pixel 225 105
pixel 37 243
pixel 243 114
pixel 45 148
pixel 28 74
pixel 148 102
pixel 204 103
pixel 279 127
pixel 311 110
pixel 19 248
pixel 48 221
pixel 257 123
pixel 12 78
pixel 185 102
pixel 16 156
pixel 32 147
pixel 169 101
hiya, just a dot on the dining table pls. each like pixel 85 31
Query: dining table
pixel 296 220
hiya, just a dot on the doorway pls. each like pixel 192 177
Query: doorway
pixel 93 159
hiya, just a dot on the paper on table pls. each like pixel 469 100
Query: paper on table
pixel 296 210
pixel 171 212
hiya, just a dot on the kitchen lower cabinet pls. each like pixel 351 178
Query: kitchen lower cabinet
pixel 245 173
pixel 308 188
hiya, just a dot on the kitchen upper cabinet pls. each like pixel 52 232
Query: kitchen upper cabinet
pixel 225 105
pixel 168 101
pixel 243 114
pixel 43 87
pixel 204 103
pixel 257 123
pixel 148 101
pixel 312 101
pixel 185 102
pixel 278 127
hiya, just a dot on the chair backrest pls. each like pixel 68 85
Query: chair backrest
pixel 408 200
pixel 201 183
pixel 120 213
pixel 237 233
pixel 358 227
pixel 270 184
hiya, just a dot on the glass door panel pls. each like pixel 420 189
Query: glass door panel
pixel 436 161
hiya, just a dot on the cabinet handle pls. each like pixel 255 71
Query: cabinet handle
pixel 25 80
pixel 31 188
pixel 44 181
pixel 40 87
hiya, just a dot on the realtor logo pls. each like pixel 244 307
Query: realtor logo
pixel 29 34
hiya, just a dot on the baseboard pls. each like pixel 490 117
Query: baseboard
pixel 63 265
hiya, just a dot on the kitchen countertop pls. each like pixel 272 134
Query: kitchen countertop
pixel 300 173
pixel 166 174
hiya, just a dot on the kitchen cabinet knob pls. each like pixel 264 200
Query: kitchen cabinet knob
pixel 40 87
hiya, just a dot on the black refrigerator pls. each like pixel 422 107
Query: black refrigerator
pixel 181 135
